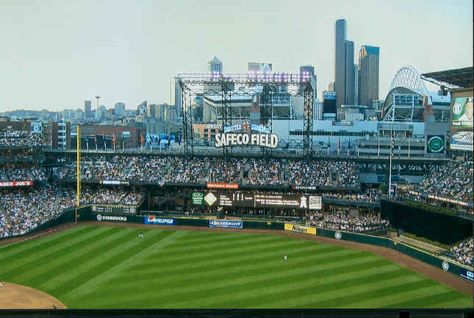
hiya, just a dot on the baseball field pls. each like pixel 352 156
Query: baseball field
pixel 92 266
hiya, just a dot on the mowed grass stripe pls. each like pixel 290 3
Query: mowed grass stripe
pixel 324 293
pixel 128 249
pixel 436 300
pixel 258 260
pixel 45 277
pixel 50 256
pixel 370 290
pixel 408 295
pixel 130 258
pixel 219 246
pixel 31 247
pixel 218 257
pixel 310 286
pixel 244 281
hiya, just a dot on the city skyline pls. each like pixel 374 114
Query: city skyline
pixel 59 53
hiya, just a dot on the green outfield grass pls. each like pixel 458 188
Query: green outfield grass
pixel 110 267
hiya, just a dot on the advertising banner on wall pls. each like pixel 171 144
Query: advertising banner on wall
pixel 264 200
pixel 151 219
pixel 300 229
pixel 11 184
pixel 462 140
pixel 230 224
pixel 462 114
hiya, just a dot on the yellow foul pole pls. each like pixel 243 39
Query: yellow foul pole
pixel 78 169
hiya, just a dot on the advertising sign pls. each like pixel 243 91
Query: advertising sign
pixel 198 198
pixel 151 219
pixel 435 144
pixel 462 140
pixel 300 229
pixel 113 209
pixel 231 224
pixel 461 115
pixel 7 184
pixel 467 274
pixel 111 218
pixel 222 185
pixel 264 200
pixel 246 134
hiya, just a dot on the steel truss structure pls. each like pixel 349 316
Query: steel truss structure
pixel 227 85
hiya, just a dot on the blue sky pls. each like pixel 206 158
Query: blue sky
pixel 55 54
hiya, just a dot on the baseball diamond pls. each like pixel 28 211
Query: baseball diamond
pixel 105 266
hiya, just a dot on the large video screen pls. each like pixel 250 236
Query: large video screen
pixel 462 113
pixel 462 124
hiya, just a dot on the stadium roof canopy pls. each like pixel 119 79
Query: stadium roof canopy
pixel 457 78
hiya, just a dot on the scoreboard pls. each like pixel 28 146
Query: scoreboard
pixel 264 200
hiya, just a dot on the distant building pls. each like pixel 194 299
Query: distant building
pixel 119 110
pixel 259 67
pixel 215 65
pixel 344 66
pixel 350 76
pixel 369 74
pixel 88 109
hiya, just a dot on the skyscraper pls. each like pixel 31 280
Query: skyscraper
pixel 349 71
pixel 215 65
pixel 87 109
pixel 340 62
pixel 368 74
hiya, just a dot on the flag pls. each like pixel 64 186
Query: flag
pixel 142 139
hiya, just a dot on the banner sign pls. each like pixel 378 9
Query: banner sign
pixel 198 198
pixel 469 275
pixel 114 182
pixel 462 140
pixel 242 139
pixel 300 229
pixel 246 134
pixel 462 113
pixel 112 218
pixel 222 185
pixel 230 224
pixel 151 219
pixel 5 184
pixel 264 200
pixel 114 209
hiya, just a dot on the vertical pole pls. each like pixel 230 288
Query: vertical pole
pixel 390 166
pixel 78 171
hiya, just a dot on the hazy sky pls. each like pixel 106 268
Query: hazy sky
pixel 56 54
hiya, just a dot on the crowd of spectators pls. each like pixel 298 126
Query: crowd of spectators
pixel 464 252
pixel 124 196
pixel 22 174
pixel 17 138
pixel 453 180
pixel 345 221
pixel 22 210
pixel 251 171
pixel 370 196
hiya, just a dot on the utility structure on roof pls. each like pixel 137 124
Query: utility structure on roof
pixel 228 85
